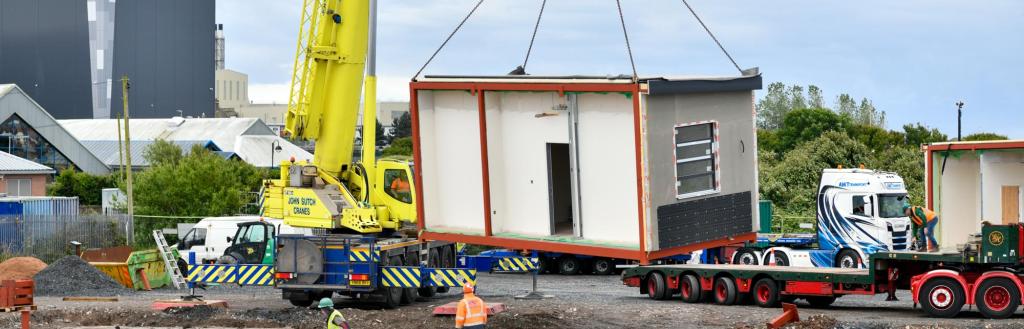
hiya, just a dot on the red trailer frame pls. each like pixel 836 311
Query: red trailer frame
pixel 478 89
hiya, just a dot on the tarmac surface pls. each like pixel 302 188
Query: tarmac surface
pixel 579 302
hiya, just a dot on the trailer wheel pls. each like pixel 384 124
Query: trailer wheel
pixel 820 301
pixel 725 291
pixel 569 265
pixel 604 266
pixel 689 288
pixel 997 298
pixel 848 258
pixel 656 287
pixel 745 256
pixel 942 297
pixel 766 293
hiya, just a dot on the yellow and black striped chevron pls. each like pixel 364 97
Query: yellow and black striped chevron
pixel 363 255
pixel 247 275
pixel 450 277
pixel 518 264
pixel 401 276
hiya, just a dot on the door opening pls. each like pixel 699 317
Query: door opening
pixel 560 189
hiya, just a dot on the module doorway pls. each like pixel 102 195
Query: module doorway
pixel 560 198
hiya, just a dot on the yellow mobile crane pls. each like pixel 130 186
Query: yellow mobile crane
pixel 336 47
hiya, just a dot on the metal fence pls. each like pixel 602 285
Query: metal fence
pixel 50 237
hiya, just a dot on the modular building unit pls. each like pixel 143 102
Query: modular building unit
pixel 602 166
pixel 968 183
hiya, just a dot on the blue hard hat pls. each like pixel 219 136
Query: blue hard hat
pixel 326 303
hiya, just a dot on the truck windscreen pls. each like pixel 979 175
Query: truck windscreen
pixel 891 205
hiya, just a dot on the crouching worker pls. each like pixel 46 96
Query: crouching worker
pixel 924 221
pixel 335 320
pixel 471 312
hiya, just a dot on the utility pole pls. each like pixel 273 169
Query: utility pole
pixel 959 116
pixel 128 158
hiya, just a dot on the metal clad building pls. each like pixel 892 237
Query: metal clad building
pixel 44 49
pixel 166 48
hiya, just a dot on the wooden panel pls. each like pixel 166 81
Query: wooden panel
pixel 1011 204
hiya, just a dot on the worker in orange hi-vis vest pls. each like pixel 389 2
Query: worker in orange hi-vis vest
pixel 924 220
pixel 471 312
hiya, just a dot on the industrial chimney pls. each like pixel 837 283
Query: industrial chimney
pixel 218 56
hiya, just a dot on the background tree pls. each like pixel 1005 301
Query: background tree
pixel 380 132
pixel 917 134
pixel 985 137
pixel 846 106
pixel 402 126
pixel 808 124
pixel 88 188
pixel 796 98
pixel 814 98
pixel 161 152
pixel 201 184
pixel 772 108
pixel 399 146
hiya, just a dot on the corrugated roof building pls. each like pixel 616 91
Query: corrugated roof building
pixel 248 138
pixel 21 177
pixel 29 131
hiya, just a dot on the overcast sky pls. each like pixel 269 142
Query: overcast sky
pixel 913 59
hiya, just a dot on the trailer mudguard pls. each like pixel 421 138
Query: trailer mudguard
pixel 918 280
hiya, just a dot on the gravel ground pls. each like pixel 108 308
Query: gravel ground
pixel 579 302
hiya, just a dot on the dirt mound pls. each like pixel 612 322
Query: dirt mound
pixel 72 276
pixel 817 321
pixel 20 268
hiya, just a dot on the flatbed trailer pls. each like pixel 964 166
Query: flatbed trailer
pixel 988 275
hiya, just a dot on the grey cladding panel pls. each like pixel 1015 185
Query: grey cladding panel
pixel 703 220
pixel 166 49
pixel 44 49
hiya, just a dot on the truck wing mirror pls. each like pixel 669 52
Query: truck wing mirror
pixel 229 239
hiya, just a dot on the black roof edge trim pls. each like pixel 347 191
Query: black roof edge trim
pixel 666 87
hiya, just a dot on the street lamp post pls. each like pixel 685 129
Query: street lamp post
pixel 275 147
pixel 959 116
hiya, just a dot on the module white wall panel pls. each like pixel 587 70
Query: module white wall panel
pixel 960 215
pixel 519 186
pixel 998 169
pixel 608 168
pixel 449 135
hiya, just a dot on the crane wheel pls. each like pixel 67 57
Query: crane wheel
pixel 656 287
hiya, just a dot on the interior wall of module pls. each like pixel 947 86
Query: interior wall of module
pixel 44 49
pixel 1002 176
pixel 524 131
pixel 450 168
pixel 166 48
pixel 960 213
pixel 702 162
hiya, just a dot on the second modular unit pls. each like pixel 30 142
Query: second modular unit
pixel 601 166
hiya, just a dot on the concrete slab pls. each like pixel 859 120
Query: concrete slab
pixel 449 309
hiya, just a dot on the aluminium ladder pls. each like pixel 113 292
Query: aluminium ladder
pixel 169 260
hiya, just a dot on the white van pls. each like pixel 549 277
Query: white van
pixel 211 236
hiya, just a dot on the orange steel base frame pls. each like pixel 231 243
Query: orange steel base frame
pixel 479 88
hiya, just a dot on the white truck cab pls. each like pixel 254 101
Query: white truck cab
pixel 210 236
pixel 858 211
